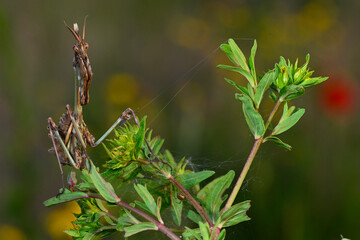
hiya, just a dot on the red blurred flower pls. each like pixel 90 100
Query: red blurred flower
pixel 339 96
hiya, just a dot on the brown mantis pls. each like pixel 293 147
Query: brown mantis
pixel 71 136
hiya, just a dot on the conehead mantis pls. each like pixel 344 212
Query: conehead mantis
pixel 71 136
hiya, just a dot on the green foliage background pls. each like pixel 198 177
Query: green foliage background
pixel 139 49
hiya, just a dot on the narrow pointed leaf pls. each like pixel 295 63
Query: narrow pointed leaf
pixel 193 216
pixel 289 122
pixel 263 85
pixel 192 234
pixel 227 50
pixel 252 60
pixel 313 81
pixel 146 197
pixel 222 235
pixel 140 227
pixel 140 136
pixel 177 206
pixel 238 55
pixel 67 196
pixel 251 92
pixel 105 188
pixel 212 193
pixel 278 141
pixel 204 230
pixel 189 180
pixel 252 117
pixel 235 214
pixel 238 87
pixel 158 209
pixel 243 72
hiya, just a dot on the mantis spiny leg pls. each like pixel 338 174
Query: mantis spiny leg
pixel 52 129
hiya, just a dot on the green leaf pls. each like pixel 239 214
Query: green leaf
pixel 238 55
pixel 252 60
pixel 99 233
pixel 278 141
pixel 212 193
pixel 158 209
pixel 191 234
pixel 286 112
pixel 227 50
pixel 140 227
pixel 140 136
pixel 251 92
pixel 146 197
pixel 288 122
pixel 252 117
pixel 313 81
pixel 222 235
pixel 193 216
pixel 273 97
pixel 67 196
pixel 290 92
pixel 189 180
pixel 264 85
pixel 177 206
pixel 243 72
pixel 204 230
pixel 238 87
pixel 104 188
pixel 236 214
pixel 142 205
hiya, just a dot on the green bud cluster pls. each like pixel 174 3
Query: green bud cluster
pixel 290 74
pixel 122 148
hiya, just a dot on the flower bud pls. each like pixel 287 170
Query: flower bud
pixel 282 77
pixel 300 73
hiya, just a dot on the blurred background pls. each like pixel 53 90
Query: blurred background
pixel 141 50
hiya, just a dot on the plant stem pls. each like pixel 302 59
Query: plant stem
pixel 193 202
pixel 242 176
pixel 162 228
pixel 190 198
pixel 272 114
pixel 249 160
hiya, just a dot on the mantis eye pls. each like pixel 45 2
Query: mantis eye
pixel 86 46
pixel 76 49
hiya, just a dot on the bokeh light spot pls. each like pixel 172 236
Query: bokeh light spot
pixel 60 219
pixel 338 97
pixel 122 89
pixel 11 232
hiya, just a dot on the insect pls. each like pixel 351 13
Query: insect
pixel 71 136
pixel 81 63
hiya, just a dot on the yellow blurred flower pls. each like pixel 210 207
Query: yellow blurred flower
pixel 122 89
pixel 11 232
pixel 60 219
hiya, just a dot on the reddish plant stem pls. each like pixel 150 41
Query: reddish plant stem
pixel 250 159
pixel 193 201
pixel 243 173
pixel 162 228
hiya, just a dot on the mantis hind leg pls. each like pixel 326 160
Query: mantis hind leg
pixel 54 132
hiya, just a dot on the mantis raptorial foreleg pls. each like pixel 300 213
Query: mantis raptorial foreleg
pixel 125 116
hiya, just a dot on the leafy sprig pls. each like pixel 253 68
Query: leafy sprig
pixel 162 185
